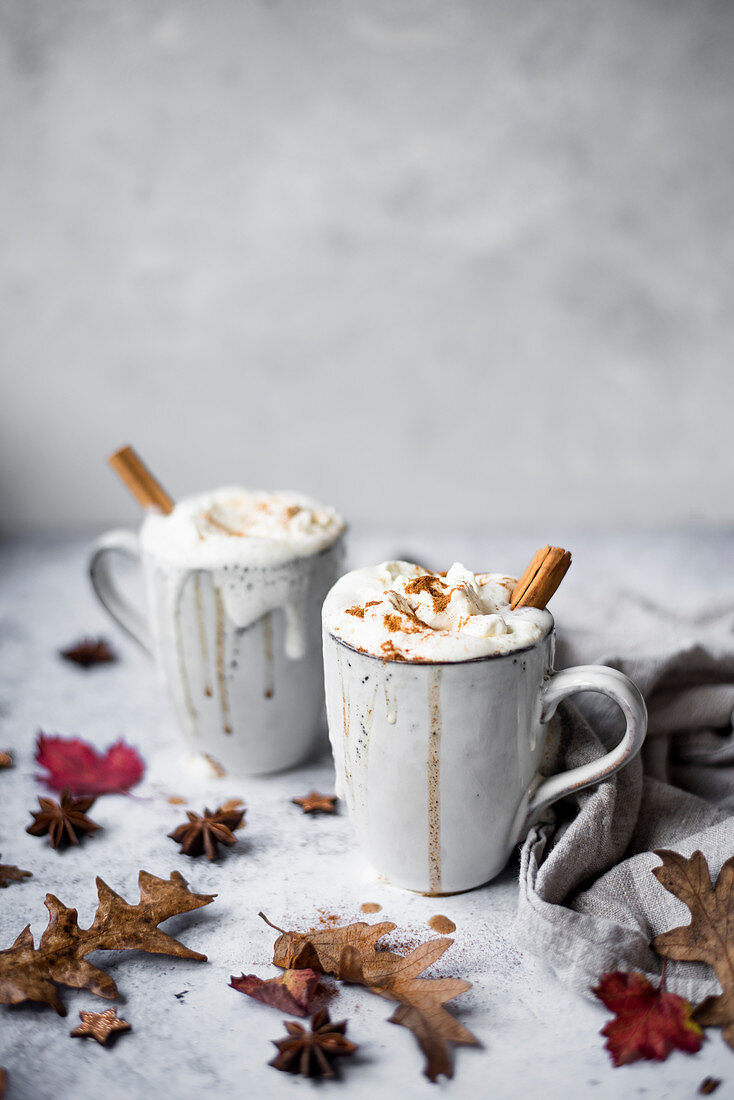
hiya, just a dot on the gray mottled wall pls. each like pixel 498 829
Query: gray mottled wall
pixel 461 262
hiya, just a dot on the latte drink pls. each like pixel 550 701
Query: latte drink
pixel 234 582
pixel 438 697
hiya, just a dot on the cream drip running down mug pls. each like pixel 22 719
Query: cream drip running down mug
pixel 439 731
pixel 234 585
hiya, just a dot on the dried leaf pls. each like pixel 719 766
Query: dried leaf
pixel 291 992
pixel 349 954
pixel 28 973
pixel 99 1025
pixel 649 1023
pixel 9 874
pixel 73 763
pixel 709 937
pixel 89 652
pixel 315 803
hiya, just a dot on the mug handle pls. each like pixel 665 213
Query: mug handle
pixel 615 685
pixel 100 574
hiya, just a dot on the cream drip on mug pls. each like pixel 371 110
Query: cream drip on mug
pixel 259 548
pixel 400 611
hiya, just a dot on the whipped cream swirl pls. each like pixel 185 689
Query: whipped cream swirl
pixel 236 525
pixel 402 612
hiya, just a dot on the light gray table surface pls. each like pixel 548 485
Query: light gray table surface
pixel 536 1036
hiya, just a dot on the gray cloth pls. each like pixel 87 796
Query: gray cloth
pixel 588 900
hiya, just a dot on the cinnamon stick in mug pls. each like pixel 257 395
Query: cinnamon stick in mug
pixel 147 490
pixel 542 578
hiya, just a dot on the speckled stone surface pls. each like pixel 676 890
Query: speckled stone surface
pixel 210 1040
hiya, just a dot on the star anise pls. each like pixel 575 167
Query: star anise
pixel 309 1052
pixel 203 833
pixel 88 652
pixel 315 803
pixel 64 821
pixel 99 1025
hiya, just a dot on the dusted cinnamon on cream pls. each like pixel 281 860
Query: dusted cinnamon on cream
pixel 400 611
pixel 236 524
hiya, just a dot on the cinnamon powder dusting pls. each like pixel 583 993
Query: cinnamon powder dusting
pixel 358 612
pixel 433 587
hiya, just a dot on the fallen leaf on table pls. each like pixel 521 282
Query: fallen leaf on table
pixel 6 760
pixel 709 937
pixel 349 953
pixel 202 834
pixel 291 992
pixel 309 1052
pixel 649 1022
pixel 9 874
pixel 315 803
pixel 89 652
pixel 99 1025
pixel 29 973
pixel 64 822
pixel 74 763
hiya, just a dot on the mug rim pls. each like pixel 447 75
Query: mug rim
pixel 464 660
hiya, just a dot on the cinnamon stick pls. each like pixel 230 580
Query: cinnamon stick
pixel 131 469
pixel 541 578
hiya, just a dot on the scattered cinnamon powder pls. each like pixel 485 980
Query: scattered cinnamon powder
pixel 434 587
pixel 371 603
pixel 393 622
pixel 292 510
pixel 391 653
pixel 442 925
pixel 370 907
pixel 358 612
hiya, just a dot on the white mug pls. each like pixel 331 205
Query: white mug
pixel 440 763
pixel 248 692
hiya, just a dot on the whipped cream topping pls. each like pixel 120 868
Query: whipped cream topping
pixel 402 612
pixel 236 525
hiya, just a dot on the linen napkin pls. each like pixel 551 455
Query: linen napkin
pixel 588 900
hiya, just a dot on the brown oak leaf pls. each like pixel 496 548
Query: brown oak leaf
pixel 29 973
pixel 349 953
pixel 99 1025
pixel 649 1022
pixel 709 937
pixel 9 873
pixel 291 992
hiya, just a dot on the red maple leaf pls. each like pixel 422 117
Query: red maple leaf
pixel 293 991
pixel 74 763
pixel 648 1023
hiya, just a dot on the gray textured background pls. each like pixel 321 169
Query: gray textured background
pixel 462 262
